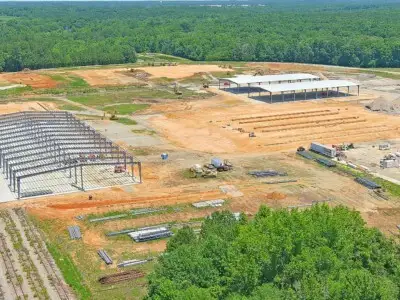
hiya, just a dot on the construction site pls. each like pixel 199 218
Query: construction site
pixel 52 152
pixel 210 138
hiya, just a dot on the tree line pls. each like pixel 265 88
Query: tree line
pixel 43 35
pixel 319 253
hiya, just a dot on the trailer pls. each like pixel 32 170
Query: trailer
pixel 322 149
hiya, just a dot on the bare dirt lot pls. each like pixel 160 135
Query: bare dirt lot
pixel 222 125
pixel 181 71
pixel 103 77
pixel 369 155
pixel 13 107
pixel 32 79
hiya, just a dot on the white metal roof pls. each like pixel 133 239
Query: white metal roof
pixel 297 86
pixel 248 79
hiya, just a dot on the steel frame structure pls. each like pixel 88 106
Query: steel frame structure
pixel 34 143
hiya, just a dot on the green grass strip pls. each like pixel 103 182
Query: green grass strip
pixel 70 273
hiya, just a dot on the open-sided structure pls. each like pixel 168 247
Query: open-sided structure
pixel 54 152
pixel 249 80
pixel 308 87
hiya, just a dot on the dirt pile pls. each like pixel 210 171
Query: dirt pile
pixel 276 196
pixel 385 105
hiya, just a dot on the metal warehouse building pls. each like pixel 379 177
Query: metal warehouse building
pixel 297 86
pixel 53 152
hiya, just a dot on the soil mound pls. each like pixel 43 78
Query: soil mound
pixel 276 196
pixel 384 105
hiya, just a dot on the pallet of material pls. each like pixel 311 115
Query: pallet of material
pixel 281 181
pixel 104 256
pixel 125 231
pixel 143 211
pixel 210 203
pixel 305 154
pixel 150 234
pixel 326 162
pixel 108 218
pixel 133 262
pixel 368 183
pixel 74 232
pixel 267 173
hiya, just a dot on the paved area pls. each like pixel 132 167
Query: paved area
pixel 5 193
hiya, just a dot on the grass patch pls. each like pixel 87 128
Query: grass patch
pixel 158 57
pixel 127 95
pixel 126 121
pixel 388 186
pixel 384 74
pixel 144 131
pixel 88 267
pixel 125 109
pixel 392 188
pixel 71 107
pixel 70 273
pixel 68 80
pixel 15 92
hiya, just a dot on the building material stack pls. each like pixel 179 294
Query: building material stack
pixel 74 232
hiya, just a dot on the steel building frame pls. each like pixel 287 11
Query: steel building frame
pixel 35 143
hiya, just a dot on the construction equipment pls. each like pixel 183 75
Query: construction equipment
pixel 119 169
pixel 209 173
pixel 252 134
pixel 343 147
pixel 205 85
pixel 197 170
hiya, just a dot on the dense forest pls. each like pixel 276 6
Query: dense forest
pixel 320 253
pixel 53 34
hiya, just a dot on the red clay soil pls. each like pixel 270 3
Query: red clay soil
pixel 31 79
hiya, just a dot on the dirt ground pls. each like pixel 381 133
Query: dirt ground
pixel 13 107
pixel 103 77
pixel 194 131
pixel 222 125
pixel 314 184
pixel 368 154
pixel 32 79
pixel 181 71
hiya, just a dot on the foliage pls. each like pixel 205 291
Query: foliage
pixel 319 253
pixel 126 121
pixel 355 33
pixel 69 271
pixel 125 109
